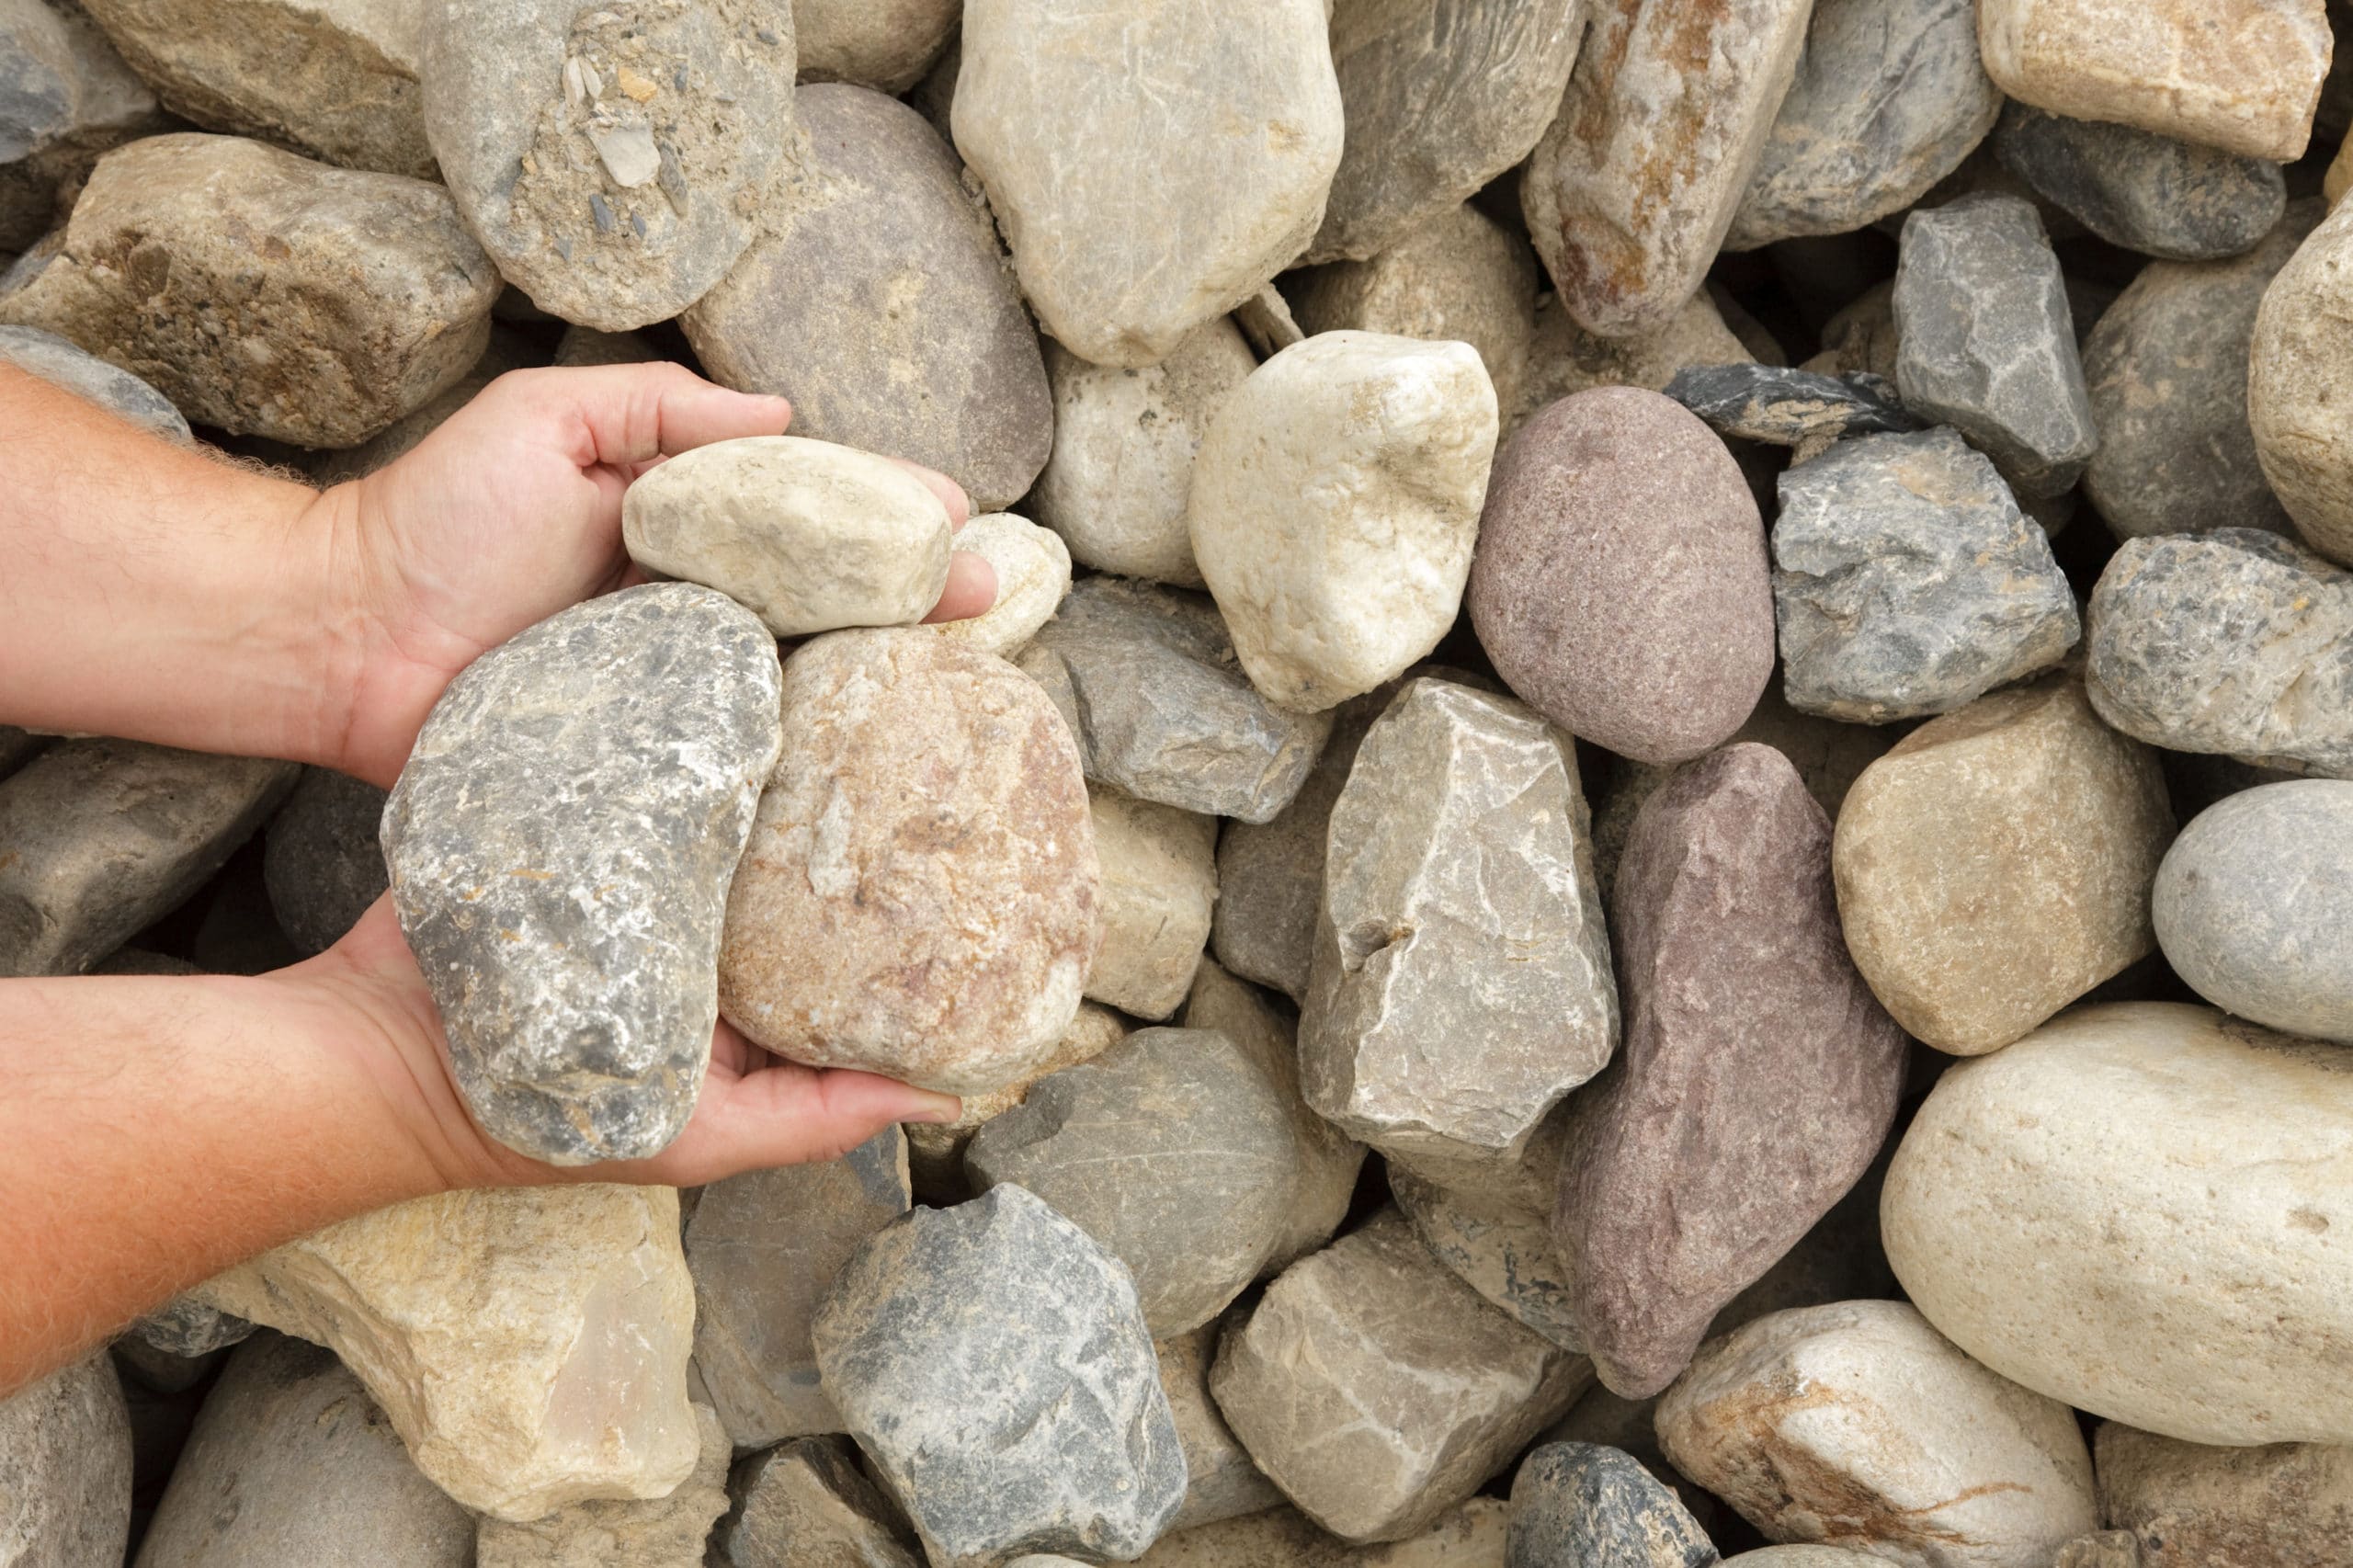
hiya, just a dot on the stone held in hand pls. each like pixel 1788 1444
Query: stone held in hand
pixel 921 895
pixel 58 362
pixel 1583 1506
pixel 1032 567
pixel 2175 200
pixel 650 1532
pixel 805 1504
pixel 322 859
pixel 1789 407
pixel 2184 1504
pixel 992 1363
pixel 807 535
pixel 2295 387
pixel 65 1450
pixel 1159 885
pixel 562 841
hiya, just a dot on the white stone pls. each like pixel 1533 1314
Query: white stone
pixel 1032 567
pixel 1159 887
pixel 653 1532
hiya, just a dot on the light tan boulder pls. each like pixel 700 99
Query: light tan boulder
pixel 2187 1506
pixel 883 44
pixel 2296 389
pixel 654 1532
pixel 1159 887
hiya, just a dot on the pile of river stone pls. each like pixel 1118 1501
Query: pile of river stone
pixel 1567 935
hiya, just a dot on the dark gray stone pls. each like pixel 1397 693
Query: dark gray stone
pixel 1582 1505
pixel 2236 642
pixel 1147 679
pixel 1787 406
pixel 65 1469
pixel 1985 342
pixel 1906 582
pixel 18 747
pixel 37 78
pixel 561 842
pixel 323 859
pixel 56 360
pixel 806 1504
pixel 992 1361
pixel 186 1326
pixel 1500 1248
pixel 2148 193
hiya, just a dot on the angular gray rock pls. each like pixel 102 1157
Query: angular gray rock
pixel 184 1326
pixel 2234 640
pixel 805 1504
pixel 886 46
pixel 1906 582
pixel 323 859
pixel 936 1150
pixel 73 99
pixel 992 1363
pixel 2175 200
pixel 65 1469
pixel 562 841
pixel 1583 1506
pixel 1985 342
pixel 764 1247
pixel 57 361
pixel 1148 682
pixel 100 837
pixel 1222 1481
pixel 1499 1247
pixel 613 161
pixel 876 299
pixel 1789 407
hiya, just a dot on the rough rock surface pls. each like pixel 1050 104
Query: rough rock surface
pixel 1906 582
pixel 1582 1505
pixel 2160 64
pixel 1758 1077
pixel 72 100
pixel 1440 99
pixel 992 1363
pixel 1459 905
pixel 2078 1248
pixel 1858 1424
pixel 2275 1506
pixel 2296 387
pixel 1822 1557
pixel 322 860
pixel 2254 906
pixel 1135 217
pixel 807 535
pixel 2235 642
pixel 560 844
pixel 98 837
pixel 369 299
pixel 183 1326
pixel 1996 864
pixel 876 299
pixel 2101 1549
pixel 1159 885
pixel 1787 406
pixel 291 1465
pixel 529 1344
pixel 1636 181
pixel 763 1247
pixel 1032 568
pixel 65 1468
pixel 1861 336
pixel 1562 358
pixel 920 897
pixel 887 46
pixel 806 1504
pixel 654 1532
pixel 1985 343
pixel 57 361
pixel 1468 1536
pixel 1621 585
pixel 1888 100
pixel 936 1150
pixel 1222 1481
pixel 1148 683
pixel 1499 1247
pixel 614 161
pixel 1334 507
pixel 2172 199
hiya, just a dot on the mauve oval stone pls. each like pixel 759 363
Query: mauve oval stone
pixel 1621 585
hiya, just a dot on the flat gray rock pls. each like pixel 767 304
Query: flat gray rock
pixel 1789 407
pixel 1906 582
pixel 2236 642
pixel 561 842
pixel 56 360
pixel 1583 1506
pixel 322 859
pixel 805 1504
pixel 992 1361
pixel 1985 342
pixel 2171 199
pixel 65 1455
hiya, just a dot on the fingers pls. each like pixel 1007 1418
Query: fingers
pixel 951 495
pixel 624 415
pixel 971 590
pixel 787 1115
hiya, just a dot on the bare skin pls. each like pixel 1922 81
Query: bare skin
pixel 155 1131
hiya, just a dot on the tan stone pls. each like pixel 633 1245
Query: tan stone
pixel 2297 387
pixel 1032 568
pixel 806 1504
pixel 1996 864
pixel 1221 1482
pixel 1562 358
pixel 1159 886
pixel 654 1532
pixel 2101 1549
pixel 1470 1536
pixel 2187 1506
pixel 528 1344
pixel 883 44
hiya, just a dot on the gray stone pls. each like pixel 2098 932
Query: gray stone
pixel 291 1465
pixel 57 361
pixel 936 1150
pixel 322 859
pixel 2172 199
pixel 187 1327
pixel 1459 905
pixel 1888 100
pixel 1159 885
pixel 38 81
pixel 876 299
pixel 2234 640
pixel 561 842
pixel 18 747
pixel 1222 1481
pixel 1377 1390
pixel 1440 99
pixel 73 99
pixel 764 1247
pixel 992 1363
pixel 669 1531
pixel 1148 682
pixel 805 1504
pixel 65 1469
pixel 2254 906
pixel 614 161
pixel 100 837
pixel 1500 1248
pixel 1987 343
pixel 886 46
pixel 1172 1150
pixel 1906 582
pixel 1789 407
pixel 1582 1505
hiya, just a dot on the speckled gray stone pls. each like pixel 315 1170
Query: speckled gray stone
pixel 188 1327
pixel 1147 679
pixel 1906 582
pixel 1499 1247
pixel 56 360
pixel 805 1504
pixel 2234 640
pixel 2172 199
pixel 65 1457
pixel 322 860
pixel 560 844
pixel 1583 1506
pixel 1985 342
pixel 1788 407
pixel 992 1363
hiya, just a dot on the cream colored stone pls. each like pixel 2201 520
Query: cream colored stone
pixel 529 1344
pixel 1159 887
pixel 1997 863
pixel 1032 568
pixel 654 1532
pixel 2298 389
pixel 2188 1505
pixel 2141 1209
pixel 1334 507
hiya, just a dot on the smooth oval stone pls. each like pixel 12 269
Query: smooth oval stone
pixel 1583 1506
pixel 876 299
pixel 1621 585
pixel 616 207
pixel 1996 864
pixel 1032 568
pixel 322 859
pixel 806 535
pixel 2254 906
pixel 560 844
pixel 58 362
pixel 2296 388
pixel 2172 199
pixel 2135 1209
pixel 1159 885
pixel 887 45
pixel 2187 1506
pixel 65 1450
pixel 920 895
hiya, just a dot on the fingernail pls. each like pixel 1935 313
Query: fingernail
pixel 939 1109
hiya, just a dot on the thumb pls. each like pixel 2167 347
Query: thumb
pixel 624 415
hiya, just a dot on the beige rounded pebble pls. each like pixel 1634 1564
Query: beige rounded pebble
pixel 1159 885
pixel 1032 567
pixel 2300 387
